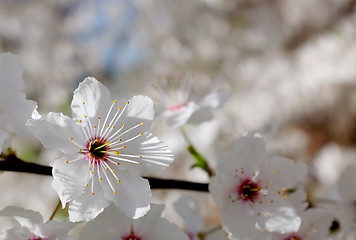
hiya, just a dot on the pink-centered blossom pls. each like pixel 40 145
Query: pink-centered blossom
pixel 15 109
pixel 251 186
pixel 30 226
pixel 180 103
pixel 105 150
pixel 112 224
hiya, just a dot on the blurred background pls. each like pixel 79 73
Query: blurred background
pixel 290 67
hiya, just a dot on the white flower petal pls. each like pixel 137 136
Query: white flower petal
pixel 87 206
pixel 27 218
pixel 188 210
pixel 277 214
pixel 201 115
pixel 238 220
pixel 215 99
pixel 3 137
pixel 132 196
pixel 70 178
pixel 55 131
pixel 163 230
pixel 283 172
pixel 15 233
pixel 180 117
pixel 144 224
pixel 155 155
pixel 17 111
pixel 95 96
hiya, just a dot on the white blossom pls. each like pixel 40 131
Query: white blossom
pixel 112 224
pixel 105 150
pixel 251 186
pixel 15 109
pixel 31 226
pixel 180 104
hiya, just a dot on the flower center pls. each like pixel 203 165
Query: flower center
pixel 132 236
pixel 98 149
pixel 248 190
pixel 293 237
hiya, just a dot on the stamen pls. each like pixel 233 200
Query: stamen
pixel 116 118
pixel 126 160
pixel 71 139
pixel 126 141
pixel 112 172
pixel 107 178
pixel 106 118
pixel 130 129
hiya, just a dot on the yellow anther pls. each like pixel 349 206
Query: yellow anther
pixel 140 133
pixel 142 123
pixel 80 149
pixel 284 189
pixel 270 182
pixel 267 166
pixel 139 163
pixel 100 179
pixel 285 196
pixel 89 154
pixel 94 126
pixel 123 125
pixel 91 165
pixel 274 172
pixel 115 101
pixel 114 192
pixel 86 185
pixel 124 146
pixel 66 161
pixel 113 170
pixel 107 125
pixel 92 193
pixel 98 117
pixel 120 140
pixel 118 163
pixel 106 168
pixel 80 121
pixel 92 172
pixel 118 181
pixel 113 127
pixel 107 143
pixel 91 142
pixel 119 108
pixel 127 102
pixel 71 139
pixel 85 116
pixel 89 148
pixel 116 153
pixel 314 230
pixel 140 156
pixel 83 103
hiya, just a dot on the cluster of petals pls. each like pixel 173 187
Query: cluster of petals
pixel 112 224
pixel 30 226
pixel 105 151
pixel 179 104
pixel 252 188
pixel 15 109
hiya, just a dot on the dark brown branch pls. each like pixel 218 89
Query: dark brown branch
pixel 14 164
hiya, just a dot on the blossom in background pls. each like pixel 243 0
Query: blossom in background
pixel 251 186
pixel 105 150
pixel 31 226
pixel 112 224
pixel 187 209
pixel 180 104
pixel 345 213
pixel 315 226
pixel 15 109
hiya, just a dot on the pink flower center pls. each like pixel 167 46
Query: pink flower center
pixel 176 107
pixel 97 149
pixel 248 190
pixel 293 237
pixel 132 236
